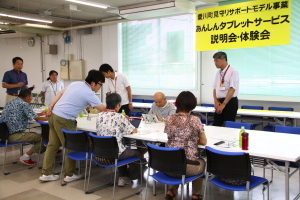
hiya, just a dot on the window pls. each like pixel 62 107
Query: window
pixel 159 54
pixel 273 72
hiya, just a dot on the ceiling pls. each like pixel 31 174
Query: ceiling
pixel 65 15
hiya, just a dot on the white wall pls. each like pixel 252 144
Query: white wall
pixel 91 53
pixel 10 48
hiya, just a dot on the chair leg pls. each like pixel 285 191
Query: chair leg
pixel 147 183
pixel 38 160
pixel 154 184
pixel 89 175
pixel 62 169
pixel 4 162
pixel 268 191
pixel 21 150
pixel 115 179
pixel 205 186
pixel 166 189
pixel 141 169
pixel 248 189
pixel 182 186
pixel 85 173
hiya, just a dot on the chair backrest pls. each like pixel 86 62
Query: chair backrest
pixel 45 130
pixel 104 146
pixel 231 124
pixel 281 108
pixel 138 100
pixel 228 165
pixel 164 159
pixel 149 101
pixel 76 140
pixel 287 129
pixel 207 105
pixel 4 133
pixel 252 107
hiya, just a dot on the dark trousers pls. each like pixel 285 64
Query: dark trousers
pixel 126 109
pixel 228 113
pixel 134 169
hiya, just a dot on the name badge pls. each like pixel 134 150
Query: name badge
pixel 222 88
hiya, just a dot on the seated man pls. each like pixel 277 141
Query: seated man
pixel 161 107
pixel 16 114
pixel 112 123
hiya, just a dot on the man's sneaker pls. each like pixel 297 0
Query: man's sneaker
pixel 72 178
pixel 124 181
pixel 50 177
pixel 28 162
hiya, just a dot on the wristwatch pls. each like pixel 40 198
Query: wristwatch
pixel 224 102
pixel 130 103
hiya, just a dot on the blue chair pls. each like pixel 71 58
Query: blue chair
pixel 138 100
pixel 231 124
pixel 289 130
pixel 166 160
pixel 149 101
pixel 253 117
pixel 78 143
pixel 234 166
pixel 270 127
pixel 105 152
pixel 209 115
pixel 4 134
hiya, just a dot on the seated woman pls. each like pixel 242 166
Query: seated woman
pixel 112 123
pixel 186 131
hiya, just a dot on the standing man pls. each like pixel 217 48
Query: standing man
pixel 118 83
pixel 15 80
pixel 161 107
pixel 226 89
pixel 65 108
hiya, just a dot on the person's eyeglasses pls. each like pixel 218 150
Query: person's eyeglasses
pixel 100 84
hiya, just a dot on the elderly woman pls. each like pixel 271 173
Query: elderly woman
pixel 112 123
pixel 186 131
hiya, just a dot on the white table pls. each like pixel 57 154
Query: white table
pixel 264 144
pixel 264 113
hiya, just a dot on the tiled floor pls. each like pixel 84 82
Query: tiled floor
pixel 24 184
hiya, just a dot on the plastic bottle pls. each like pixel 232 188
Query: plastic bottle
pixel 245 141
pixel 240 135
pixel 123 112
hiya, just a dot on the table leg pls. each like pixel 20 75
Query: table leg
pixel 206 117
pixel 287 189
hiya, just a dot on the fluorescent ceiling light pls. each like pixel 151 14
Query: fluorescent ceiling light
pixel 26 18
pixel 89 3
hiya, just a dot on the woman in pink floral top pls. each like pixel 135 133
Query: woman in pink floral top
pixel 186 131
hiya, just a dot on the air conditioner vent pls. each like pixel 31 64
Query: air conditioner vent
pixel 157 9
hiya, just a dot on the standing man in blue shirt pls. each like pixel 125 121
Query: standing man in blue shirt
pixel 15 80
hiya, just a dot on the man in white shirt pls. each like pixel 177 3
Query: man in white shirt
pixel 117 83
pixel 226 89
pixel 161 107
